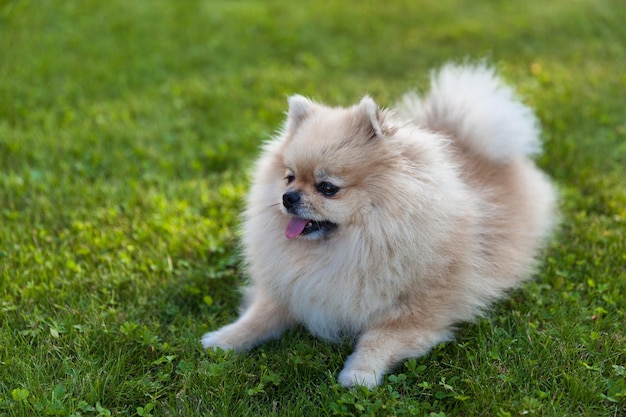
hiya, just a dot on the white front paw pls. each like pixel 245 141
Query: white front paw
pixel 350 377
pixel 215 340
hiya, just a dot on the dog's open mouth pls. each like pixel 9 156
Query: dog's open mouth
pixel 302 227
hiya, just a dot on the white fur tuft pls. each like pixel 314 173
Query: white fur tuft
pixel 472 104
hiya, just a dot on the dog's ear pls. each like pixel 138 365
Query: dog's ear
pixel 370 117
pixel 299 109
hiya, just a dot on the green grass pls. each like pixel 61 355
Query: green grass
pixel 126 130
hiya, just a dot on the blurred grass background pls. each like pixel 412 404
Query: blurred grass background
pixel 126 132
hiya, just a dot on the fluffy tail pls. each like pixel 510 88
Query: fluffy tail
pixel 471 104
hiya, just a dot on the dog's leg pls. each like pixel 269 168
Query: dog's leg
pixel 261 321
pixel 380 349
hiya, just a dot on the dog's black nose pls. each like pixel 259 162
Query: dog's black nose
pixel 291 199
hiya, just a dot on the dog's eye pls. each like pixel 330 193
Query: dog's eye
pixel 290 178
pixel 327 188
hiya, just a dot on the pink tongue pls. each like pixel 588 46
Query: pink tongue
pixel 295 227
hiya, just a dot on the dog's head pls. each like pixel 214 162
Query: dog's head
pixel 329 158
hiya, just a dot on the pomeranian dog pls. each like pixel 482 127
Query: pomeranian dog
pixel 392 227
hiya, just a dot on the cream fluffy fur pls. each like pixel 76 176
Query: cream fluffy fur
pixel 436 212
